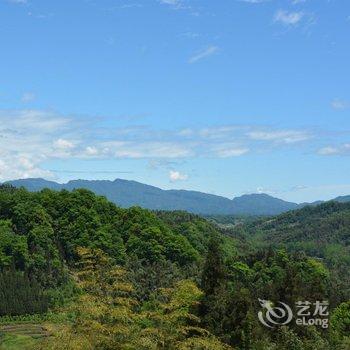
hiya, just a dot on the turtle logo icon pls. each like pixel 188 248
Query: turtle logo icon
pixel 274 315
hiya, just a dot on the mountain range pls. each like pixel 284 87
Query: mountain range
pixel 127 193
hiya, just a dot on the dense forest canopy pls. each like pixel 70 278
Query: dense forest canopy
pixel 137 279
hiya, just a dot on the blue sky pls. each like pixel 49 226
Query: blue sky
pixel 226 97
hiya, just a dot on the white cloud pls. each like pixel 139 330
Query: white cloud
pixel 175 4
pixel 91 151
pixel 254 1
pixel 185 132
pixel 35 120
pixel 170 2
pixel 21 166
pixel 177 176
pixel 29 138
pixel 326 151
pixel 230 151
pixel 28 97
pixel 218 132
pixel 18 1
pixel 288 18
pixel 146 149
pixel 210 50
pixel 63 144
pixel 27 141
pixel 280 136
pixel 339 104
pixel 333 151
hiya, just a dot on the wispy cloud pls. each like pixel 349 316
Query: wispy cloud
pixel 170 2
pixel 175 4
pixel 339 104
pixel 210 50
pixel 229 151
pixel 27 142
pixel 131 5
pixel 280 136
pixel 327 151
pixel 296 2
pixel 18 1
pixel 254 1
pixel 343 149
pixel 218 132
pixel 28 97
pixel 33 137
pixel 143 149
pixel 288 18
pixel 191 35
pixel 40 16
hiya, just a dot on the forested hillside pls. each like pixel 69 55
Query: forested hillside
pixel 96 276
pixel 321 231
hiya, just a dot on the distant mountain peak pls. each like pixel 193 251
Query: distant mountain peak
pixel 126 193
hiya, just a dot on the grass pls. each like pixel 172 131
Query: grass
pixel 22 336
pixel 17 342
pixel 25 332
